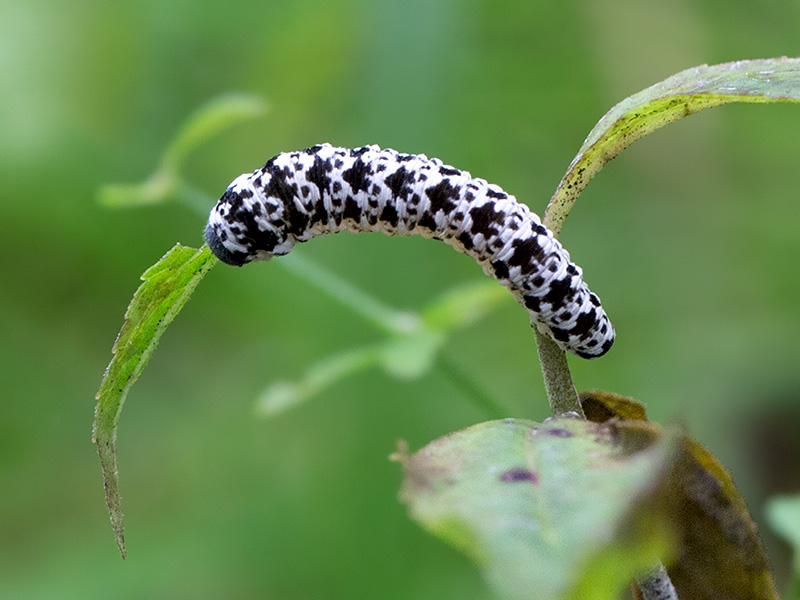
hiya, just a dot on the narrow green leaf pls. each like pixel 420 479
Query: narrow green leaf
pixel 683 94
pixel 166 288
pixel 541 507
pixel 215 116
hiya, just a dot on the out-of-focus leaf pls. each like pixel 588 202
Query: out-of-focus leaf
pixel 600 406
pixel 283 395
pixel 215 116
pixel 411 356
pixel 464 305
pixel 565 509
pixel 412 345
pixel 157 189
pixel 683 94
pixel 165 184
pixel 721 554
pixel 783 513
pixel 166 287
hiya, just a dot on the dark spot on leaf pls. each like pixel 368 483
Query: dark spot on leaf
pixel 555 432
pixel 519 474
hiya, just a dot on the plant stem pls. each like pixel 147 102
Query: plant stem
pixel 558 384
pixel 656 585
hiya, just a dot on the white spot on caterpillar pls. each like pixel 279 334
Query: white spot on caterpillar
pixel 296 196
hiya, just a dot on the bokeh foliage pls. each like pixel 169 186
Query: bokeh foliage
pixel 686 237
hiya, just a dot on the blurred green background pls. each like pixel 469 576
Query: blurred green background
pixel 689 237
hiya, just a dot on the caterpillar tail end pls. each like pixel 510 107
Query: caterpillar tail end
pixel 597 352
pixel 236 259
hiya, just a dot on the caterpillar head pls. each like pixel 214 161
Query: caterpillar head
pixel 222 241
pixel 239 229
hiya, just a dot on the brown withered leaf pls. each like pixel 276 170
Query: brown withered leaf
pixel 721 555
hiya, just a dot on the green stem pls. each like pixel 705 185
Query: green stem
pixel 558 384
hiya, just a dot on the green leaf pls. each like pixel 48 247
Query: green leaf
pixel 463 305
pixel 410 349
pixel 558 510
pixel 165 184
pixel 166 288
pixel 683 94
pixel 283 395
pixel 155 190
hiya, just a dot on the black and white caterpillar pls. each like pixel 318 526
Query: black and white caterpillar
pixel 296 196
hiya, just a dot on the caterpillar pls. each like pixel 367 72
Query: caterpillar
pixel 299 195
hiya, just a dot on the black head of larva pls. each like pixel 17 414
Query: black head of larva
pixel 215 240
pixel 236 259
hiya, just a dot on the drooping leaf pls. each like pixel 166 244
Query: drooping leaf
pixel 166 287
pixel 562 509
pixel 721 554
pixel 678 96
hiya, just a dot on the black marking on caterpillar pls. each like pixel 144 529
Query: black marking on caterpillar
pixel 296 196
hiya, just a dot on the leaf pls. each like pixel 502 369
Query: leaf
pixel 563 509
pixel 683 94
pixel 283 395
pixel 783 513
pixel 463 305
pixel 721 554
pixel 599 406
pixel 158 188
pixel 410 349
pixel 165 183
pixel 166 288
pixel 215 116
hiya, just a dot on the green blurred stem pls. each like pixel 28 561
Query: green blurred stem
pixel 373 310
pixel 462 382
pixel 558 384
